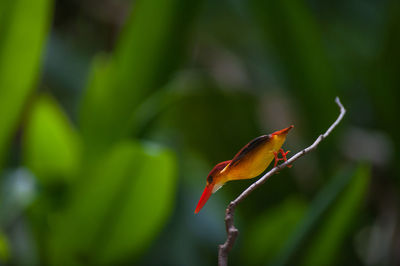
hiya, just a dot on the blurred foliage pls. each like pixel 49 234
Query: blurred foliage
pixel 4 250
pixel 216 114
pixel 288 228
pixel 109 128
pixel 23 27
pixel 319 207
pixel 108 233
pixel 330 238
pixel 291 30
pixel 385 83
pixel 269 233
pixel 126 174
pixel 144 57
pixel 51 147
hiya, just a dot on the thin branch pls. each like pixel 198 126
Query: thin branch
pixel 231 230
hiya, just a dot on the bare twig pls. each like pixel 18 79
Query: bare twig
pixel 231 230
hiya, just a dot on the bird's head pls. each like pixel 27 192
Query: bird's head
pixel 214 182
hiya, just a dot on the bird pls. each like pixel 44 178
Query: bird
pixel 249 162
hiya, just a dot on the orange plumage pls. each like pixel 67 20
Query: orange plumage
pixel 248 163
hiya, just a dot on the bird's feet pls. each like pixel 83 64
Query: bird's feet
pixel 277 159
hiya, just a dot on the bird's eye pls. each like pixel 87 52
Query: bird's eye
pixel 209 179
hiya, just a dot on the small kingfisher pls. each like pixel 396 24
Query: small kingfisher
pixel 249 162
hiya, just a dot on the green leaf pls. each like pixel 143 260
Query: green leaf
pixel 23 27
pixel 118 208
pixel 155 185
pixel 96 97
pixel 269 232
pixel 4 249
pixel 51 146
pixel 149 49
pixel 335 227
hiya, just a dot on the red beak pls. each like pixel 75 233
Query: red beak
pixel 204 197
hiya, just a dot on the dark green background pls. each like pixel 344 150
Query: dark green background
pixel 113 112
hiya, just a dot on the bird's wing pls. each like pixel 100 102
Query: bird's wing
pixel 251 146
